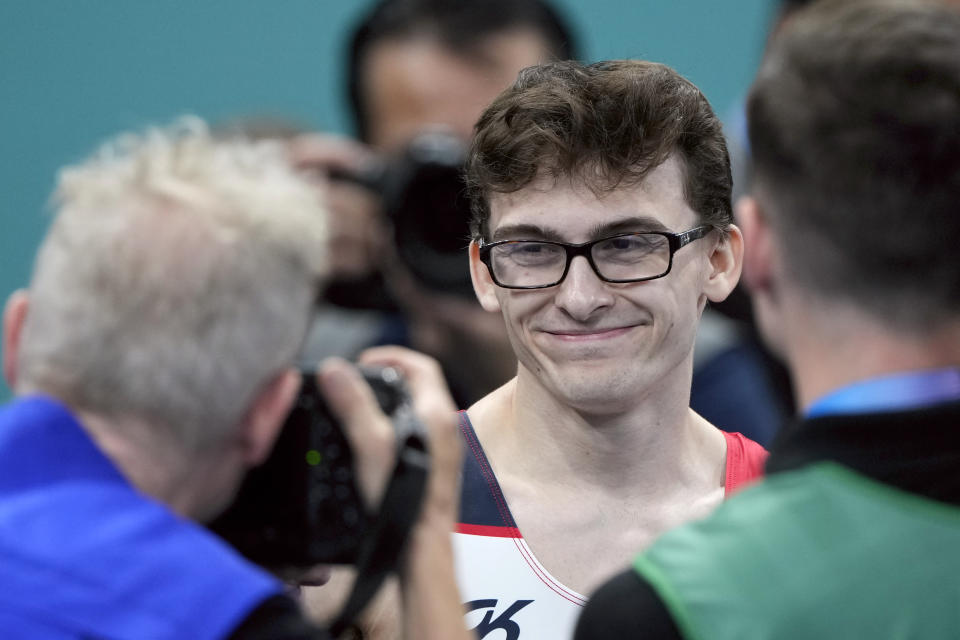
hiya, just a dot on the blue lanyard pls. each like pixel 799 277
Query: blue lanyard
pixel 890 393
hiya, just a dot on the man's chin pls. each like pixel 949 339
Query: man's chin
pixel 600 395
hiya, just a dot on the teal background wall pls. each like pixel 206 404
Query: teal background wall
pixel 73 72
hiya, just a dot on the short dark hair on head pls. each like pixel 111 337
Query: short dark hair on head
pixel 854 124
pixel 605 124
pixel 459 24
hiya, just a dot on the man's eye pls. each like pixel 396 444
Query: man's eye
pixel 637 242
pixel 631 248
pixel 533 251
pixel 623 243
pixel 529 248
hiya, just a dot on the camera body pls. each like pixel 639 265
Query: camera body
pixel 302 507
pixel 424 197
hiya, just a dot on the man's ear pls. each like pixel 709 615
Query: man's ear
pixel 14 317
pixel 726 262
pixel 760 273
pixel 758 260
pixel 266 416
pixel 483 284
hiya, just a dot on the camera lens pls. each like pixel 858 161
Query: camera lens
pixel 432 229
pixel 431 213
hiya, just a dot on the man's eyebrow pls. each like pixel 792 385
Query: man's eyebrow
pixel 635 224
pixel 525 232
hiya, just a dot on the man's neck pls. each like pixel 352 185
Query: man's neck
pixel 828 351
pixel 150 463
pixel 572 478
pixel 654 441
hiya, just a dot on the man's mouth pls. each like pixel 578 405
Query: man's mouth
pixel 583 335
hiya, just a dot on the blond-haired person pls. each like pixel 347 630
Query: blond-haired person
pixel 151 358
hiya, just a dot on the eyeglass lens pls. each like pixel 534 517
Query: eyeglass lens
pixel 625 257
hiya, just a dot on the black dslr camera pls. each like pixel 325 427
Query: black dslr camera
pixel 424 196
pixel 302 506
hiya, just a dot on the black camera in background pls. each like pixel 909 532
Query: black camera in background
pixel 424 199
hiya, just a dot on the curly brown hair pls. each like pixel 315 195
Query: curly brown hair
pixel 605 124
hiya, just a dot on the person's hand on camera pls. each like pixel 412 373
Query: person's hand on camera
pixel 372 437
pixel 431 600
pixel 428 591
pixel 369 432
pixel 434 406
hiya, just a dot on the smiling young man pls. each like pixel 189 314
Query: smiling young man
pixel 602 228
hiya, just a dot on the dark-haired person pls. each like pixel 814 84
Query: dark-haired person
pixel 418 66
pixel 425 65
pixel 413 63
pixel 602 228
pixel 852 233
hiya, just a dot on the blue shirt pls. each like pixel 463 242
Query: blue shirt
pixel 896 392
pixel 83 554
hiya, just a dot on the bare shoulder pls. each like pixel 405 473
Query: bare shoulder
pixel 709 443
pixel 493 411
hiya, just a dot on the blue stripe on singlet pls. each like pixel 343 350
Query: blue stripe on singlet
pixel 481 501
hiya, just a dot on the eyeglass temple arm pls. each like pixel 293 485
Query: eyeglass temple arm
pixel 686 237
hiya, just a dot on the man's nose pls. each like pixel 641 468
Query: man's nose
pixel 582 293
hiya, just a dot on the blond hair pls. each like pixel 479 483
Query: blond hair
pixel 177 278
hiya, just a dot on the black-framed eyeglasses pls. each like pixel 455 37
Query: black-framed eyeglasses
pixel 625 257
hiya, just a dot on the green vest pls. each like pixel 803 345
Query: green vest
pixel 819 553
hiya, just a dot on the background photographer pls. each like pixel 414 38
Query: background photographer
pixel 419 73
pixel 151 360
